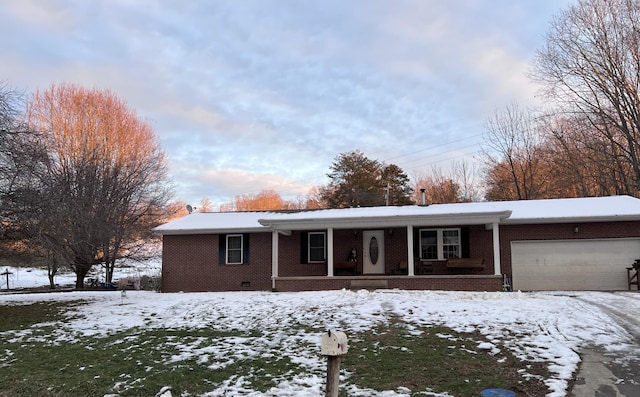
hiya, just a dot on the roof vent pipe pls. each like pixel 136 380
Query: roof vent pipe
pixel 423 197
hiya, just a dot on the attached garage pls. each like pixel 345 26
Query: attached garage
pixel 593 264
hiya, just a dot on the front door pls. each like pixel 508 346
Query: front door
pixel 373 252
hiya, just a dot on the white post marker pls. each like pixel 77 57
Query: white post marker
pixel 334 346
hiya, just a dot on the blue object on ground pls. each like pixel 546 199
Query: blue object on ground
pixel 108 286
pixel 497 393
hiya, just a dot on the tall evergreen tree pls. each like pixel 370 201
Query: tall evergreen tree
pixel 357 181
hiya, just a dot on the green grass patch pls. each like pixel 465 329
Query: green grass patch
pixel 435 359
pixel 134 363
pixel 17 316
pixel 40 357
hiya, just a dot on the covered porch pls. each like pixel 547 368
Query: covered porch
pixel 411 251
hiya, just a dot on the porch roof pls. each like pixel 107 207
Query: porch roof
pixel 372 217
pixel 593 209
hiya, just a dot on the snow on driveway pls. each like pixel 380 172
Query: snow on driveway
pixel 549 327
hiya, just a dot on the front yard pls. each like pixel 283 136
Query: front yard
pixel 401 343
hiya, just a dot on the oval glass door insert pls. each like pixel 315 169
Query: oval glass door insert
pixel 373 250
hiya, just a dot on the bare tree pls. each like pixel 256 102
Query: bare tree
pixel 591 66
pixel 174 210
pixel 465 174
pixel 581 162
pixel 438 187
pixel 105 175
pixel 313 199
pixel 206 205
pixel 264 200
pixel 23 159
pixel 513 155
pixel 15 147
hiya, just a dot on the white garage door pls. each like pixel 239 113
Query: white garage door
pixel 572 264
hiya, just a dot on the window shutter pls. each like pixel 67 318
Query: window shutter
pixel 245 249
pixel 304 247
pixel 222 249
pixel 464 242
pixel 416 242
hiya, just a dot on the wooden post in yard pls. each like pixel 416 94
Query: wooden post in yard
pixel 334 346
pixel 6 273
pixel 333 375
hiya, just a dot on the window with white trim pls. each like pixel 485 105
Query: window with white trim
pixel 317 248
pixel 234 249
pixel 440 243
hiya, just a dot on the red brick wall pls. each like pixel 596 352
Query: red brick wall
pixel 449 283
pixel 395 249
pixel 443 283
pixel 289 258
pixel 190 263
pixel 562 231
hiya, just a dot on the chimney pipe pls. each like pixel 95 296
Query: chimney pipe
pixel 423 197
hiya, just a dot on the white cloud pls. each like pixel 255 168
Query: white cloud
pixel 267 93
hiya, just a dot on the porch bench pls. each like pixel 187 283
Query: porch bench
pixel 465 263
pixel 345 267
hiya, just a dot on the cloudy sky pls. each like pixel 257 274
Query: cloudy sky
pixel 247 95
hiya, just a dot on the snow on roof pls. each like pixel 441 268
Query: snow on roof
pixel 216 222
pixel 593 209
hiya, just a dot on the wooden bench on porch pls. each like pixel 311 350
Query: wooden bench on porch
pixel 346 267
pixel 465 263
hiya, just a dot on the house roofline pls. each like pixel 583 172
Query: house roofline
pixel 478 218
pixel 573 219
pixel 177 232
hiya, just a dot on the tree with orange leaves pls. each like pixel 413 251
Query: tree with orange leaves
pixel 104 178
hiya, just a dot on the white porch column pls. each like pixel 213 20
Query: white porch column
pixel 410 256
pixel 274 258
pixel 330 252
pixel 496 250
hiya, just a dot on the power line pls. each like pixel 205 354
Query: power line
pixel 297 184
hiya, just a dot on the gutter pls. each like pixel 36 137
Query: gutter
pixel 477 218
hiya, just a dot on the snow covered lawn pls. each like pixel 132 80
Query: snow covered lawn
pixel 536 327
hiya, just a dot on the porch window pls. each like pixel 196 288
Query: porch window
pixel 440 243
pixel 451 243
pixel 317 247
pixel 234 249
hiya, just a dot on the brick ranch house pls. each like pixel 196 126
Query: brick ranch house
pixel 556 244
